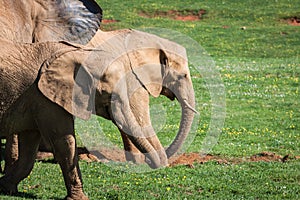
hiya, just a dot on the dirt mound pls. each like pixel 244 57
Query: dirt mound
pixel 294 21
pixel 180 15
pixel 268 157
pixel 189 159
pixel 109 21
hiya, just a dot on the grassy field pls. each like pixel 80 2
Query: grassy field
pixel 257 54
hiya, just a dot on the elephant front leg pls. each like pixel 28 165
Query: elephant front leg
pixel 57 128
pixel 67 156
pixel 20 169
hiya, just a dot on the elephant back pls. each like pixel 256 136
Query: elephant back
pixel 15 23
pixel 13 71
pixel 19 66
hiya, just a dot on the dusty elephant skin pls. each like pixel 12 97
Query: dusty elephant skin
pixel 19 68
pixel 32 21
pixel 114 74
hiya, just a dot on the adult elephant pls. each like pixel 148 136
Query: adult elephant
pixel 113 76
pixel 40 20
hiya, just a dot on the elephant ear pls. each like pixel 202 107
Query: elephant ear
pixel 70 20
pixel 148 48
pixel 149 75
pixel 68 83
pixel 155 87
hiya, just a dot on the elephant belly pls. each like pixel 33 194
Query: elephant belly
pixel 102 104
pixel 18 116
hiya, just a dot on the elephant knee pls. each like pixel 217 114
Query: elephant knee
pixel 65 149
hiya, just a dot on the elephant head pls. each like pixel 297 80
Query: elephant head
pixel 123 64
pixel 40 20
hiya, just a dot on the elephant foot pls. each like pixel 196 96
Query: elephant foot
pixel 163 158
pixel 159 159
pixel 7 188
pixel 77 197
pixel 156 159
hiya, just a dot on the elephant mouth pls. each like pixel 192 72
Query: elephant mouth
pixel 168 93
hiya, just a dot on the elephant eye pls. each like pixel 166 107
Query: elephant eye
pixel 181 76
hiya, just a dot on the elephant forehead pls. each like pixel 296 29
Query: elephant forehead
pixel 113 72
pixel 178 63
pixel 140 57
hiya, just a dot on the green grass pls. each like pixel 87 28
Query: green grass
pixel 260 69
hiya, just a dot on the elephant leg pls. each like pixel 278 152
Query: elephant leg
pixel 20 169
pixel 154 141
pixel 11 151
pixel 66 154
pixel 57 127
pixel 131 152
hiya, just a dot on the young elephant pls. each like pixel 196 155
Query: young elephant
pixel 157 66
pixel 112 76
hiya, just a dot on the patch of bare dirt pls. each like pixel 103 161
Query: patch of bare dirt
pixel 109 24
pixel 102 155
pixel 294 21
pixel 106 154
pixel 109 21
pixel 180 15
pixel 267 157
pixel 188 159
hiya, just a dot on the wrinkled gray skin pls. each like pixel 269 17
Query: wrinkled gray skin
pixel 41 20
pixel 115 75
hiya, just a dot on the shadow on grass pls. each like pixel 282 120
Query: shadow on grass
pixel 24 195
pixel 21 195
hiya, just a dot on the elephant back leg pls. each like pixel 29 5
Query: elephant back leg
pixel 20 169
pixel 11 151
pixel 131 152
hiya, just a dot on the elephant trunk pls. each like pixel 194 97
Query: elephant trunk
pixel 153 159
pixel 125 120
pixel 187 116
